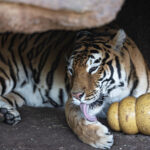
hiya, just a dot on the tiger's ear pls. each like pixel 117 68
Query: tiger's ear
pixel 119 40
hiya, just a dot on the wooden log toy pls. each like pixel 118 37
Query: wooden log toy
pixel 131 115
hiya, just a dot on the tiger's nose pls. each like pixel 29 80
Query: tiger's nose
pixel 77 95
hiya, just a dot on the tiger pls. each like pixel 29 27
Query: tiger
pixel 85 71
pixel 105 67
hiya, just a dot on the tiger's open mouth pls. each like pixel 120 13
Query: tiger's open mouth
pixel 85 109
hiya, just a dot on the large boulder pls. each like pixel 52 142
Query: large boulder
pixel 40 15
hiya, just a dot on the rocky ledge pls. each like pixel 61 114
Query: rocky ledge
pixel 41 15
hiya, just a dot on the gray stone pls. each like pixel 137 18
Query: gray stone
pixel 41 15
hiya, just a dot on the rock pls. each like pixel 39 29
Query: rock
pixel 41 15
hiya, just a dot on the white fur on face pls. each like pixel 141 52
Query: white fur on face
pixel 91 63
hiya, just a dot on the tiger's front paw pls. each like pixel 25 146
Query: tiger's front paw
pixel 94 134
pixel 11 116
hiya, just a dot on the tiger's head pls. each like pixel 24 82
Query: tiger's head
pixel 94 69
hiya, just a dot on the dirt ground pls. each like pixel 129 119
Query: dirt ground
pixel 46 129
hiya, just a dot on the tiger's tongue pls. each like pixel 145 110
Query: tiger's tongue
pixel 84 108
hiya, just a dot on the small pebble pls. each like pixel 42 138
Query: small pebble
pixel 61 148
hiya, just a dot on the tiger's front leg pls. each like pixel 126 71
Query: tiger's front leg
pixel 92 133
pixel 8 108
